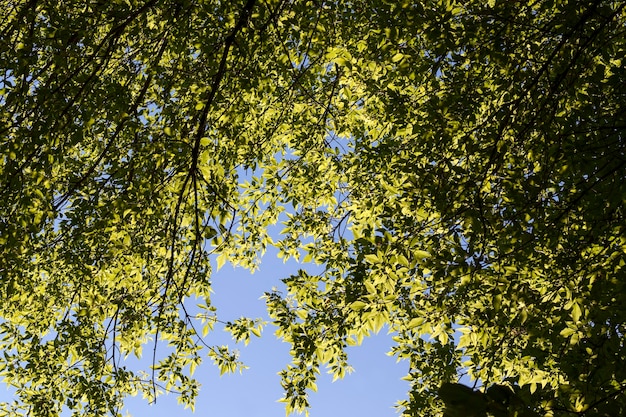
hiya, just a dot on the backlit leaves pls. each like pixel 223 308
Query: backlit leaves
pixel 455 168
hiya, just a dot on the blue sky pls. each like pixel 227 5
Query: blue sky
pixel 371 390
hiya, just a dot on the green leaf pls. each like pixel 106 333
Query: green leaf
pixel 358 305
pixel 372 259
pixel 221 260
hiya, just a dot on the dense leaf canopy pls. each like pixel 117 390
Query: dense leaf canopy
pixel 456 168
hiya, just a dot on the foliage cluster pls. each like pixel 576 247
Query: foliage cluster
pixel 457 168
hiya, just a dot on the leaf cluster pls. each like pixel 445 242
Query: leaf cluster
pixel 456 169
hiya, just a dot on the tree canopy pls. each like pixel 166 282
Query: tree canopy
pixel 456 168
